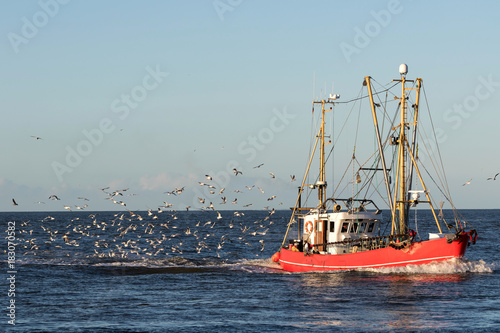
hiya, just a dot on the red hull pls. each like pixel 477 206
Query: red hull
pixel 417 253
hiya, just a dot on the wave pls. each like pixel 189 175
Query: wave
pixel 179 264
pixel 452 266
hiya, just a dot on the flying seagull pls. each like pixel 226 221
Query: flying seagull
pixel 493 178
pixel 258 166
pixel 236 172
pixel 36 137
pixel 14 202
pixel 467 183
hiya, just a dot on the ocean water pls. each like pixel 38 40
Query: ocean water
pixel 193 272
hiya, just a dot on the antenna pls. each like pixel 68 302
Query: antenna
pixel 314 85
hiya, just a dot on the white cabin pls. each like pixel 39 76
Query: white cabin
pixel 326 228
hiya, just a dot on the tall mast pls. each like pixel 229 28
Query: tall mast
pixel 402 159
pixel 402 195
pixel 322 172
pixel 321 183
pixel 400 189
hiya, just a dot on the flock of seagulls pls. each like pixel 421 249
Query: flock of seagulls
pixel 130 236
pixel 160 232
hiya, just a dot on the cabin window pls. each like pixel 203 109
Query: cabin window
pixel 354 227
pixel 345 226
pixel 362 227
pixel 370 226
pixel 332 226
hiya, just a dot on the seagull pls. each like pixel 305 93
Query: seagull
pixel 272 175
pixel 68 208
pixel 36 137
pixel 467 183
pixel 292 177
pixel 221 191
pixel 261 190
pixel 14 202
pixel 54 197
pixel 258 166
pixel 236 172
pixel 493 178
pixel 208 177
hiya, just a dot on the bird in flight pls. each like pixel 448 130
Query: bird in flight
pixel 14 202
pixel 467 183
pixel 36 137
pixel 494 177
pixel 236 172
pixel 258 166
pixel 272 175
pixel 292 177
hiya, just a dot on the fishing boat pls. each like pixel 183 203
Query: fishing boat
pixel 351 232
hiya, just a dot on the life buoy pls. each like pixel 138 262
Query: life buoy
pixel 309 227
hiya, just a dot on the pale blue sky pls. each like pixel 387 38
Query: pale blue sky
pixel 209 75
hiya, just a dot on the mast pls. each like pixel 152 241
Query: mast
pixel 402 159
pixel 402 188
pixel 321 183
pixel 400 194
pixel 322 173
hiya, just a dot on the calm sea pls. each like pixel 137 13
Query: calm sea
pixel 193 272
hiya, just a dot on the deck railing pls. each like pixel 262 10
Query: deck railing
pixel 353 245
